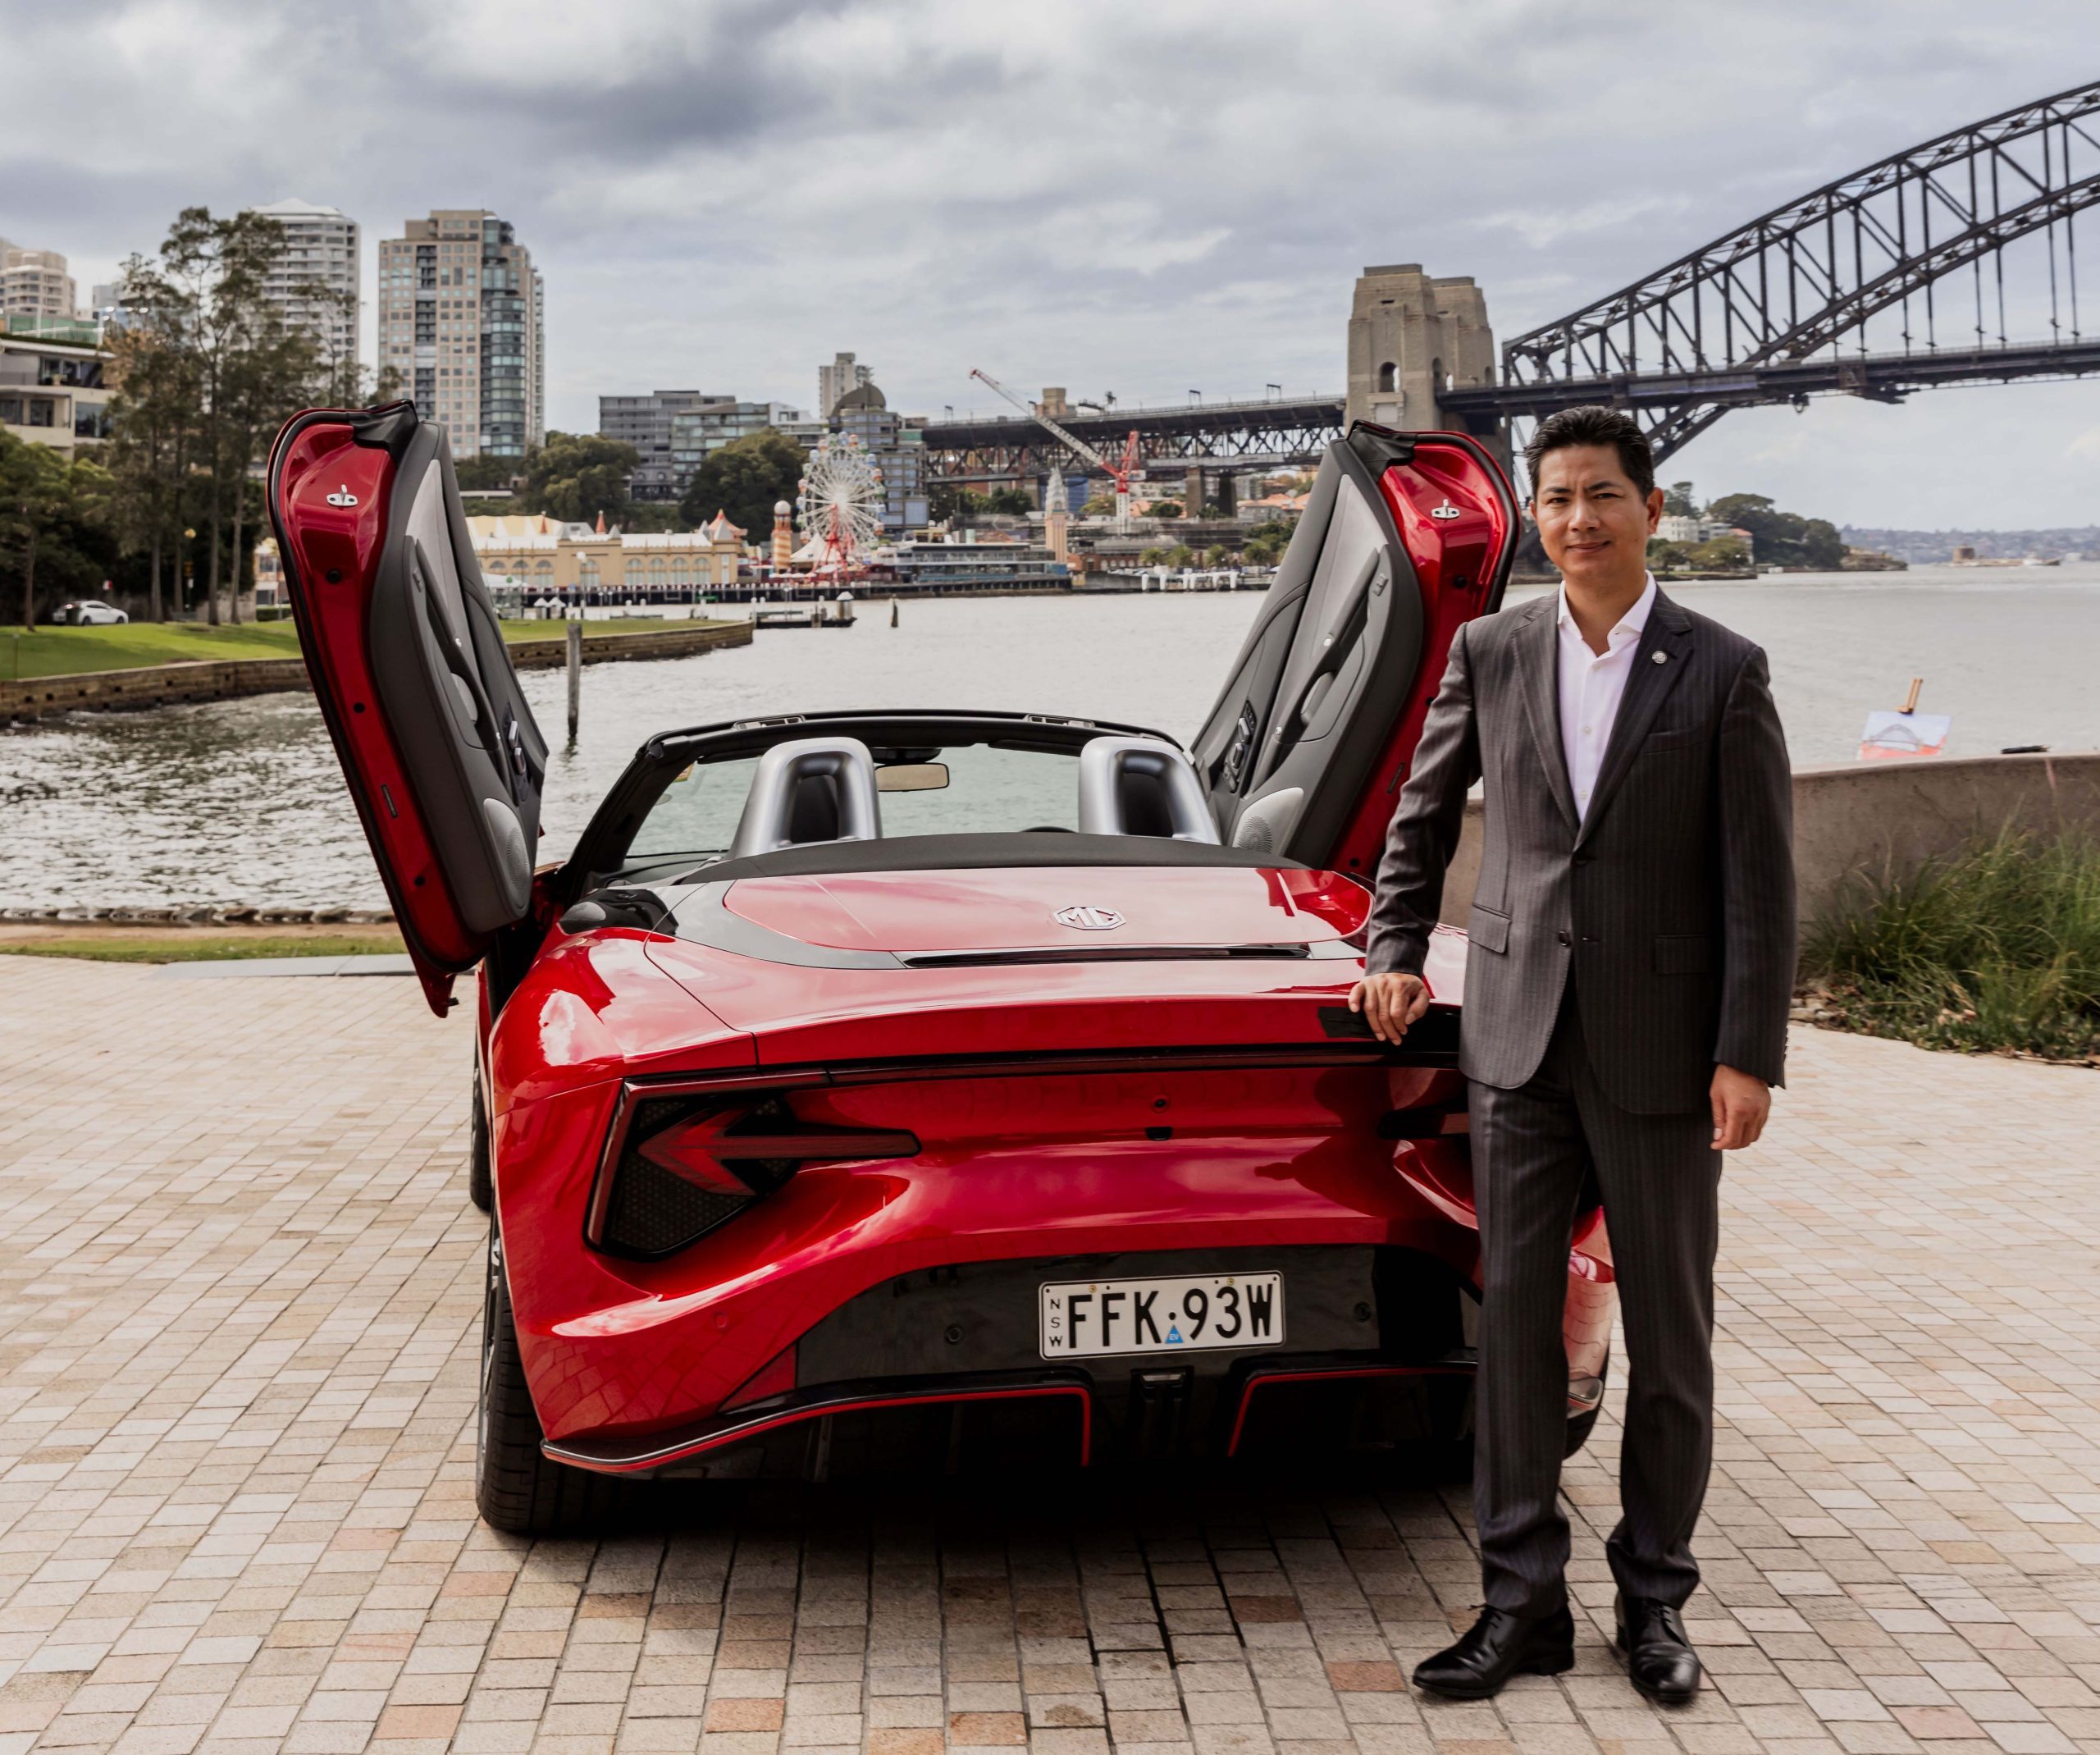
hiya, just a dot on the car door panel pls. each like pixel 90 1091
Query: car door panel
pixel 1405 536
pixel 437 741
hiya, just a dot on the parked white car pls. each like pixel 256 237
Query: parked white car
pixel 91 613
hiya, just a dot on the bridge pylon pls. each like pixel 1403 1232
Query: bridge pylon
pixel 1412 337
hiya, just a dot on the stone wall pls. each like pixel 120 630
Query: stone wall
pixel 1875 817
pixel 227 679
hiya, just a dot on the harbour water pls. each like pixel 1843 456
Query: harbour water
pixel 242 800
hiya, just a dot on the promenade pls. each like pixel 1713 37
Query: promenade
pixel 239 1302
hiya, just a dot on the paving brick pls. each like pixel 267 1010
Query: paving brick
pixel 239 1300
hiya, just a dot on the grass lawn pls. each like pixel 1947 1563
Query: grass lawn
pixel 110 946
pixel 68 651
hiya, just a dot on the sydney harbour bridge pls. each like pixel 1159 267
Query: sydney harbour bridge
pixel 1953 262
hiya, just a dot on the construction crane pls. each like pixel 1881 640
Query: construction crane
pixel 1118 472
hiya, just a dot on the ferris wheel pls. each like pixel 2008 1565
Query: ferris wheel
pixel 839 502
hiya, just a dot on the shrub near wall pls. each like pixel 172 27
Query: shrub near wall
pixel 1995 947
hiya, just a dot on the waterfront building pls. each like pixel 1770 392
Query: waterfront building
pixel 34 283
pixel 544 557
pixel 646 424
pixel 697 433
pixel 314 280
pixel 462 319
pixel 899 449
pixel 51 387
pixel 838 379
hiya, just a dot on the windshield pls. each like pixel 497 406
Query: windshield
pixel 988 790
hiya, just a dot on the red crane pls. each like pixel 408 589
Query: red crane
pixel 1118 472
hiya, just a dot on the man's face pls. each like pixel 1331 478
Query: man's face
pixel 1592 519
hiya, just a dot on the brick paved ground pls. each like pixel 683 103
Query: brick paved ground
pixel 239 1288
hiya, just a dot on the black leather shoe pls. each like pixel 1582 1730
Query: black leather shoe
pixel 1498 1646
pixel 1659 1659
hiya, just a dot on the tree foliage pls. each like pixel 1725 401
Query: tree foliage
pixel 1265 548
pixel 206 372
pixel 56 538
pixel 1782 539
pixel 576 477
pixel 746 479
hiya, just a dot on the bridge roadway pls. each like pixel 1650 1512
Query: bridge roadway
pixel 239 1296
pixel 1880 378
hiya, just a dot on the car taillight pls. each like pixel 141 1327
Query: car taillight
pixel 679 1166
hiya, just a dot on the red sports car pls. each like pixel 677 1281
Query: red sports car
pixel 865 1084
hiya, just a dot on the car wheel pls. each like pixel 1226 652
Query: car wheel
pixel 516 1488
pixel 480 1179
pixel 1580 1428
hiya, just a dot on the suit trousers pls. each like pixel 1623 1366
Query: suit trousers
pixel 1534 1149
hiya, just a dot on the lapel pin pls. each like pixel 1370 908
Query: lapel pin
pixel 1659 658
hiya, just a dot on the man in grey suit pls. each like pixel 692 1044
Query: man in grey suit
pixel 1631 964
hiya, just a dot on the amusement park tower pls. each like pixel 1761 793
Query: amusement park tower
pixel 784 536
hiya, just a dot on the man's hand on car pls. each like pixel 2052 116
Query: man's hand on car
pixel 1389 1003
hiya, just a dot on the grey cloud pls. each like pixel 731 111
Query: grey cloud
pixel 1141 199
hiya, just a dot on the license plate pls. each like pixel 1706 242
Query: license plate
pixel 1191 1314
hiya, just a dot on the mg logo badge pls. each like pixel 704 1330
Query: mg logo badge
pixel 1081 917
pixel 1446 510
pixel 343 496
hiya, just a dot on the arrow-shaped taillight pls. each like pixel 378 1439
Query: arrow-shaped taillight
pixel 677 1168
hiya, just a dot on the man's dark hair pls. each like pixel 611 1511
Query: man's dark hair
pixel 1595 424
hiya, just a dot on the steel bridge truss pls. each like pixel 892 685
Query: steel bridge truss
pixel 1171 441
pixel 1884 281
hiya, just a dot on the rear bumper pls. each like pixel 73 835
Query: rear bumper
pixel 1027 1179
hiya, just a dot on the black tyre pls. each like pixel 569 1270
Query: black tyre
pixel 1580 1428
pixel 480 1178
pixel 515 1487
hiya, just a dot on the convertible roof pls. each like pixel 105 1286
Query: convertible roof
pixel 972 852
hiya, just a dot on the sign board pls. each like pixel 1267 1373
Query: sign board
pixel 1890 736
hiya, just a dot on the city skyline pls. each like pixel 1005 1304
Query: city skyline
pixel 1185 202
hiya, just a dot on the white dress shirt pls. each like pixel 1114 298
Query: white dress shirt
pixel 1591 686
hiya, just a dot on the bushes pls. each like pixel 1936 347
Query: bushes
pixel 1994 947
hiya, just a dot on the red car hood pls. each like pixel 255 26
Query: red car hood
pixel 1087 909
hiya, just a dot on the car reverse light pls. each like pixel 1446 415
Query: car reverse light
pixel 678 1166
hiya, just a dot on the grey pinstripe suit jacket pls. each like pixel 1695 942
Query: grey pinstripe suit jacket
pixel 1670 906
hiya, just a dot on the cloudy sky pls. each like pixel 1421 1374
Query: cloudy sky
pixel 1143 197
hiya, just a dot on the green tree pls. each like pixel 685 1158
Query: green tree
pixel 1164 508
pixel 55 534
pixel 746 479
pixel 1009 502
pixel 225 371
pixel 1782 539
pixel 155 418
pixel 1677 501
pixel 1099 505
pixel 483 474
pixel 576 477
pixel 1266 546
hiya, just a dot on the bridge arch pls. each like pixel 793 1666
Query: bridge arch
pixel 1889 280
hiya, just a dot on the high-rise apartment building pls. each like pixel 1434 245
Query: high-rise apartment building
pixel 461 317
pixel 644 423
pixel 314 280
pixel 837 380
pixel 34 283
